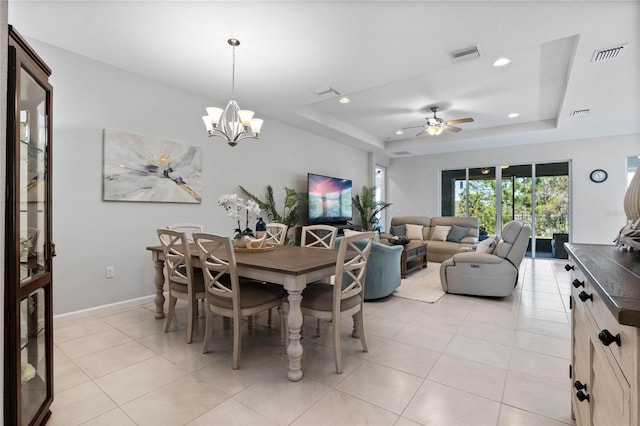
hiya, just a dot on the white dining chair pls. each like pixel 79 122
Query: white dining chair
pixel 227 294
pixel 276 233
pixel 187 228
pixel 185 282
pixel 320 236
pixel 345 297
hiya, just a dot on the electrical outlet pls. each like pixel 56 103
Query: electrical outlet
pixel 109 272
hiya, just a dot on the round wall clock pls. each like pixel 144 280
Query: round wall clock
pixel 598 176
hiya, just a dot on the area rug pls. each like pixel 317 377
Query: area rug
pixel 422 285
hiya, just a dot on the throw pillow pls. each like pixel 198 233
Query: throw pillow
pixel 457 233
pixel 440 233
pixel 399 230
pixel 488 245
pixel 414 232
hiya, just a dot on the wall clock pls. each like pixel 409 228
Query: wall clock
pixel 598 176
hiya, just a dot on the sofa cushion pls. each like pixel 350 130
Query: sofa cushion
pixel 457 233
pixel 440 233
pixel 487 245
pixel 399 230
pixel 414 232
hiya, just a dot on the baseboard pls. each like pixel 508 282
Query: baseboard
pixel 109 308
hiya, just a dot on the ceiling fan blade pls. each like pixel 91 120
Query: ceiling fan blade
pixel 452 128
pixel 412 127
pixel 422 132
pixel 460 120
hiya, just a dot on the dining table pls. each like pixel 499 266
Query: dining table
pixel 293 267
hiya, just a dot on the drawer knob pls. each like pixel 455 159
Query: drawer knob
pixel 577 283
pixel 584 296
pixel 607 338
pixel 568 267
pixel 582 396
pixel 579 385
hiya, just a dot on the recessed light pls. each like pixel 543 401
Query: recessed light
pixel 513 115
pixel 399 132
pixel 344 100
pixel 501 62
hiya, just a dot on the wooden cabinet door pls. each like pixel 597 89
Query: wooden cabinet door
pixel 28 380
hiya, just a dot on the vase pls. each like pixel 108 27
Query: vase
pixel 632 198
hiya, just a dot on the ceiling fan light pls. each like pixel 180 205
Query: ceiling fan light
pixel 435 130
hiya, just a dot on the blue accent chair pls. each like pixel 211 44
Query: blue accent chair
pixel 383 270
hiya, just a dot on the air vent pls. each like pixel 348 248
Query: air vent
pixel 327 91
pixel 402 153
pixel 608 54
pixel 579 112
pixel 466 54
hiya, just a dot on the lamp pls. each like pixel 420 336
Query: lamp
pixel 232 123
pixel 435 129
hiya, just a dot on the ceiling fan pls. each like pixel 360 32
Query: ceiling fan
pixel 436 125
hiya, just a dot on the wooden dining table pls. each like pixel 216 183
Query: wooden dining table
pixel 290 266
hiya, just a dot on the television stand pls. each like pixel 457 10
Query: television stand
pixel 341 227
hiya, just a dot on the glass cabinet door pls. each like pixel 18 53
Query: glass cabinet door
pixel 28 248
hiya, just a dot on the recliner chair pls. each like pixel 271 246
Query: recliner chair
pixel 484 274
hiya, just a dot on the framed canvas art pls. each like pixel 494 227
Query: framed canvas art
pixel 142 168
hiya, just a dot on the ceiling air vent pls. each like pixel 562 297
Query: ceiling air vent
pixel 466 54
pixel 608 54
pixel 579 112
pixel 327 91
pixel 402 153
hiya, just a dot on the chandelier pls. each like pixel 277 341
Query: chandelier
pixel 232 123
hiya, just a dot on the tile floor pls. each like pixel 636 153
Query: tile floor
pixel 460 361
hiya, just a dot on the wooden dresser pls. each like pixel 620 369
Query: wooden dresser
pixel 605 347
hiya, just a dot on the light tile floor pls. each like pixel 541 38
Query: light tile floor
pixel 461 361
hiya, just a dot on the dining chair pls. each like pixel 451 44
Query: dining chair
pixel 188 228
pixel 276 233
pixel 318 236
pixel 227 294
pixel 345 297
pixel 185 282
pixel 321 236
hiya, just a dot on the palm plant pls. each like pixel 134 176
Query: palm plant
pixel 290 212
pixel 368 208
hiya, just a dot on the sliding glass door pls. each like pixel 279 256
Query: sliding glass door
pixel 534 193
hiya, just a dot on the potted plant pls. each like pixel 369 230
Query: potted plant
pixel 368 208
pixel 290 214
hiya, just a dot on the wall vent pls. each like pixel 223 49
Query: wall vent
pixel 402 153
pixel 327 91
pixel 579 112
pixel 608 54
pixel 466 54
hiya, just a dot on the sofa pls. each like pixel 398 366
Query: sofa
pixel 383 269
pixel 461 235
pixel 491 271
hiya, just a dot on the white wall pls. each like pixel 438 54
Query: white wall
pixel 597 209
pixel 91 234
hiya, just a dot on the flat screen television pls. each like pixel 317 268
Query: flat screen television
pixel 329 199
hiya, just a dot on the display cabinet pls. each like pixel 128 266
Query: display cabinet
pixel 28 337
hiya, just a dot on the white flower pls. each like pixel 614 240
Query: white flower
pixel 234 206
pixel 253 209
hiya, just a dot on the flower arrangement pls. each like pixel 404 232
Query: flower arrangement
pixel 234 206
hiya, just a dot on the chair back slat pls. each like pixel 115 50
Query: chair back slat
pixel 276 233
pixel 221 277
pixel 355 267
pixel 177 255
pixel 320 236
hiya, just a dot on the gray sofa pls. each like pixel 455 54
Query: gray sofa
pixel 439 251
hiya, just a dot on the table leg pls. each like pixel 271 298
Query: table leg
pixel 159 282
pixel 294 349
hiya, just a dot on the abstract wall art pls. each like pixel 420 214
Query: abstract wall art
pixel 142 168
